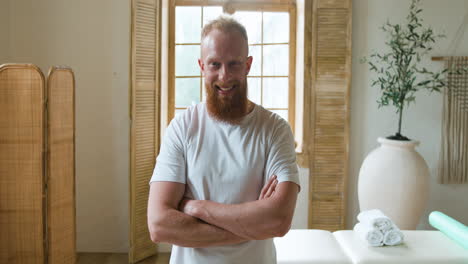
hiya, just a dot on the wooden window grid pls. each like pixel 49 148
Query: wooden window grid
pixel 259 6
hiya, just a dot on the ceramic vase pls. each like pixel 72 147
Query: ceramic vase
pixel 395 179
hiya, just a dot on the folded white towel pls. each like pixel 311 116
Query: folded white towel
pixel 367 233
pixel 376 219
pixel 393 236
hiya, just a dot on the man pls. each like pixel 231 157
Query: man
pixel 226 179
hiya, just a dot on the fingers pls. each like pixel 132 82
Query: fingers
pixel 272 189
pixel 266 187
pixel 269 187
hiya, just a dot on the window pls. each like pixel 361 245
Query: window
pixel 271 32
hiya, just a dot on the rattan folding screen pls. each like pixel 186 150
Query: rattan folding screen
pixel 37 165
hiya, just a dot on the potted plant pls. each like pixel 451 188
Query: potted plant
pixel 399 70
pixel 394 177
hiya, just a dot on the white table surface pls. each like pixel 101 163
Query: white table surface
pixel 306 246
pixel 419 247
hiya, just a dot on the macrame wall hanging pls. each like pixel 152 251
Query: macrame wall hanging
pixel 453 164
pixel 453 160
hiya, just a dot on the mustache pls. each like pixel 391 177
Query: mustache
pixel 222 84
pixel 225 85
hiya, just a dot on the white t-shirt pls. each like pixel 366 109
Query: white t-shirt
pixel 227 164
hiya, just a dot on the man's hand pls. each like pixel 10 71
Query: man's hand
pixel 269 188
pixel 188 206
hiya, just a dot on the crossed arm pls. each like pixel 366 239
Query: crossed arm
pixel 201 223
pixel 256 220
pixel 167 224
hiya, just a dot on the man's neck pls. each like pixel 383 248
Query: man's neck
pixel 250 107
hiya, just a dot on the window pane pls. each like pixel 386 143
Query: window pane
pixel 255 92
pixel 275 92
pixel 256 53
pixel 187 92
pixel 276 60
pixel 188 24
pixel 179 111
pixel 282 113
pixel 210 13
pixel 252 22
pixel 186 60
pixel 275 27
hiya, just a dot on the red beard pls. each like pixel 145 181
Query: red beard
pixel 228 108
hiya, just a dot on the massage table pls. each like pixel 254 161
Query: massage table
pixel 310 246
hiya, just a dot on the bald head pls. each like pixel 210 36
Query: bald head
pixel 227 25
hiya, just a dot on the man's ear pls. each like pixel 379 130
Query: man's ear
pixel 202 66
pixel 249 64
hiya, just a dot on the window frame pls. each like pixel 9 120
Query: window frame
pixel 229 7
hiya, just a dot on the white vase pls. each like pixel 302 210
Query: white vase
pixel 395 179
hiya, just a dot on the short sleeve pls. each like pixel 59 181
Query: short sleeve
pixel 170 163
pixel 281 159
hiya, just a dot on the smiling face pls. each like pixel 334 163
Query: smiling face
pixel 225 64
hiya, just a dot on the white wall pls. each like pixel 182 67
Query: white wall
pixel 4 31
pixel 421 121
pixel 92 37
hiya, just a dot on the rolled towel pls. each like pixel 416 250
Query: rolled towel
pixel 393 236
pixel 376 219
pixel 371 235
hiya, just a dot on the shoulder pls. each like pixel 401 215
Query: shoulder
pixel 188 116
pixel 185 121
pixel 272 121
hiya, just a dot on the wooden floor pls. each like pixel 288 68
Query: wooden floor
pixel 115 258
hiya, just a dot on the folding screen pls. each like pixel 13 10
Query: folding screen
pixel 22 167
pixel 61 166
pixel 37 199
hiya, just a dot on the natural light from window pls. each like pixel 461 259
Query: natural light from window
pixel 269 44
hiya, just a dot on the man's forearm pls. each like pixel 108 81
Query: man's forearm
pixel 181 229
pixel 252 220
pixel 257 220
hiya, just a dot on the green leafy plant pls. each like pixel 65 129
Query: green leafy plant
pixel 399 71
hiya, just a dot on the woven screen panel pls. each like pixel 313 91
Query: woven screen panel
pixel 61 166
pixel 21 164
pixel 330 119
pixel 144 141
